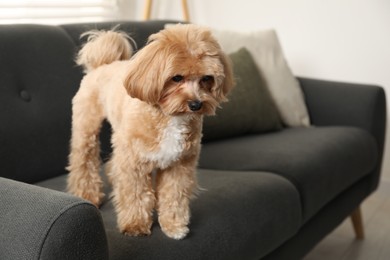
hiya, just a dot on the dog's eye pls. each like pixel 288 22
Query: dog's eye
pixel 207 79
pixel 177 78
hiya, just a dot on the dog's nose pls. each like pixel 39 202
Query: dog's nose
pixel 195 105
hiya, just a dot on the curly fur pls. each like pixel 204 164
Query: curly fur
pixel 155 102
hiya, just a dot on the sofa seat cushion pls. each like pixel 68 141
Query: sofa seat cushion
pixel 320 161
pixel 237 215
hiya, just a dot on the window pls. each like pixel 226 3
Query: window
pixel 57 11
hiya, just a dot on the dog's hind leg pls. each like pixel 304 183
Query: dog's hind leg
pixel 84 158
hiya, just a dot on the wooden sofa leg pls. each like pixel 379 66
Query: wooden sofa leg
pixel 357 222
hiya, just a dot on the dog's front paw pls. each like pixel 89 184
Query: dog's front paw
pixel 136 230
pixel 174 222
pixel 132 224
pixel 176 232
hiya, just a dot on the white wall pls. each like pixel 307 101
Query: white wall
pixel 347 40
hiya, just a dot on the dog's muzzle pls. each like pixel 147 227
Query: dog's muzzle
pixel 195 105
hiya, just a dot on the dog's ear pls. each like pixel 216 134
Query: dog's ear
pixel 145 79
pixel 226 81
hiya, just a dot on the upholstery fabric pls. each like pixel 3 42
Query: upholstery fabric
pixel 314 159
pixel 268 55
pixel 38 223
pixel 38 80
pixel 237 215
pixel 250 108
pixel 349 104
pixel 321 224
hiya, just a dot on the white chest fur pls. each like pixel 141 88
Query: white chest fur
pixel 172 142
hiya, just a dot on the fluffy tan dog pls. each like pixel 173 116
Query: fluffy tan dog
pixel 154 102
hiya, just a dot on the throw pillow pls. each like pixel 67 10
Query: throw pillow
pixel 250 108
pixel 267 53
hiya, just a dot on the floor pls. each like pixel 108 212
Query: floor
pixel 341 243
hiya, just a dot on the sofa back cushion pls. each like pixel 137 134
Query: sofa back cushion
pixel 38 80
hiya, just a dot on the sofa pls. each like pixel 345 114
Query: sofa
pixel 268 195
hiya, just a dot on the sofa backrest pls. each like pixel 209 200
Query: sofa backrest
pixel 38 79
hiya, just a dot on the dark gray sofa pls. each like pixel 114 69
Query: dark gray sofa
pixel 266 196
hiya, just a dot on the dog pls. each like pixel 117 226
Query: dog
pixel 155 101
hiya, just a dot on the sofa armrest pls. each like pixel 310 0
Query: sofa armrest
pixel 348 104
pixel 38 223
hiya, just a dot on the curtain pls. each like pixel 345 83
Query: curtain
pixel 57 11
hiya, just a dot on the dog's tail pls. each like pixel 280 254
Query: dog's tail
pixel 104 47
